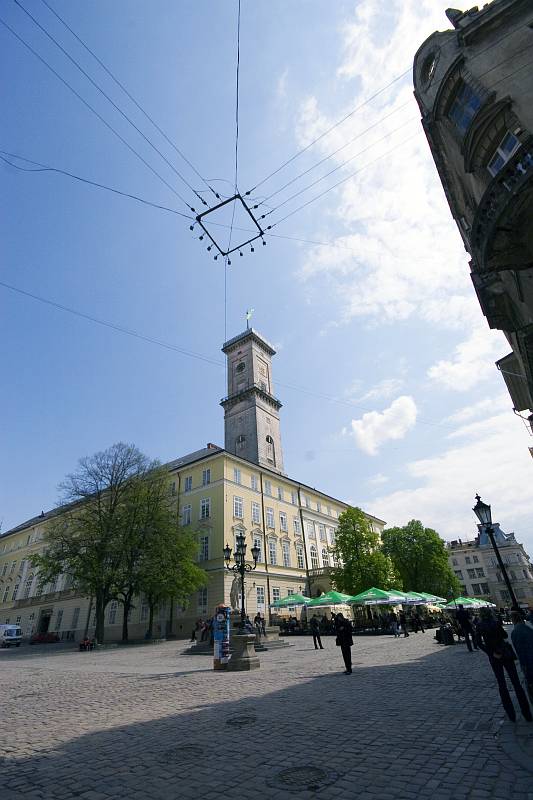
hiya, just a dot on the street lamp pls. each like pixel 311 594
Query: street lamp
pixel 241 567
pixel 482 512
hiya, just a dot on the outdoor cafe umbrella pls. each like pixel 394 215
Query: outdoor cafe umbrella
pixel 374 596
pixel 415 599
pixel 462 601
pixel 291 600
pixel 331 598
pixel 432 598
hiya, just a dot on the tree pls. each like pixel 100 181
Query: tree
pixel 419 555
pixel 85 541
pixel 362 563
pixel 168 570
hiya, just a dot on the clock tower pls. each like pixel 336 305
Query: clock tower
pixel 251 411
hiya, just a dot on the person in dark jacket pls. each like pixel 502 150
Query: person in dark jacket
pixel 465 627
pixel 522 639
pixel 403 623
pixel 343 629
pixel 492 639
pixel 315 630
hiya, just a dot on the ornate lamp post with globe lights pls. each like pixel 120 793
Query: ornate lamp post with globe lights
pixel 240 567
pixel 483 513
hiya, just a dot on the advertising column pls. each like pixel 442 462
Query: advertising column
pixel 221 633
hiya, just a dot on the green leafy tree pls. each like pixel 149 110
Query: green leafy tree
pixel 169 570
pixel 419 555
pixel 362 564
pixel 85 541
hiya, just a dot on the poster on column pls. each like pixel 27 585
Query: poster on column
pixel 221 628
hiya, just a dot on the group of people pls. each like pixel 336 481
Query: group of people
pixel 202 631
pixel 488 634
pixel 343 638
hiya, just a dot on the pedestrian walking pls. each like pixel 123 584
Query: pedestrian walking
pixel 522 639
pixel 343 628
pixel 492 639
pixel 403 623
pixel 315 630
pixel 393 624
pixel 257 623
pixel 418 624
pixel 465 626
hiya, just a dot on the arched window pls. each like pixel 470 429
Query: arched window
pixel 270 453
pixel 325 557
pixel 314 557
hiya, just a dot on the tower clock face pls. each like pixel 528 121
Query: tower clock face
pixel 241 366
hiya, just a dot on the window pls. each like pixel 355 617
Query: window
pixel 276 593
pixel 268 488
pixel 4 570
pixel 296 526
pixel 286 553
pixel 331 534
pixel 258 544
pixel 476 559
pixel 15 592
pixel 173 488
pixel 499 577
pixel 310 529
pixel 205 508
pixel 270 517
pixel 236 475
pixel 476 588
pixel 254 482
pixel 237 507
pixel 240 443
pixel 206 477
pixel 314 557
pixel 458 574
pixel 202 600
pixel 75 618
pixel 272 552
pixel 507 147
pixel 188 483
pixel 300 556
pixel 484 588
pixel 328 511
pixel 294 498
pixel 13 565
pixel 480 573
pixel 204 548
pixel 260 595
pixel 27 586
pixel 270 450
pixel 145 608
pixel 22 565
pixel 513 575
pixel 506 597
pixel 280 493
pixel 464 106
pixel 319 506
pixel 283 521
pixel 6 592
pixel 471 573
pixel 467 559
pixel 325 557
pixel 307 502
pixel 186 514
pixel 256 512
pixel 59 619
pixel 290 592
pixel 113 612
pixel 322 533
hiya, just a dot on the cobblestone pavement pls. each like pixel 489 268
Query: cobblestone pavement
pixel 414 720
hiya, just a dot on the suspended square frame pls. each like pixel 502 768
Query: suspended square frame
pixel 235 198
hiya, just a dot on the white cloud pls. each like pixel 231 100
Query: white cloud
pixel 482 407
pixel 378 480
pixel 472 361
pixel 375 427
pixel 493 460
pixel 382 390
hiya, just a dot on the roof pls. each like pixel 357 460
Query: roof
pixel 249 333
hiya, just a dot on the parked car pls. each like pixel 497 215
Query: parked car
pixel 10 635
pixel 44 638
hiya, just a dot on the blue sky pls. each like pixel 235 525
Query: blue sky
pixel 382 318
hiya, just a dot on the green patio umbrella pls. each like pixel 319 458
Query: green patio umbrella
pixel 433 598
pixel 374 596
pixel 415 599
pixel 461 601
pixel 291 600
pixel 331 598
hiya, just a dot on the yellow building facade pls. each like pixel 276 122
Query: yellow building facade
pixel 218 494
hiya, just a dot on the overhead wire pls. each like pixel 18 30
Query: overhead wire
pixel 189 353
pixel 110 100
pixel 133 100
pixel 95 112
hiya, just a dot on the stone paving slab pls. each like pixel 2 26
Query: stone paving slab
pixel 413 721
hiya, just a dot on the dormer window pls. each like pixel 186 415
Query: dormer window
pixel 464 106
pixel 507 147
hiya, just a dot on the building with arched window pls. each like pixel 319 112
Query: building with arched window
pixel 474 89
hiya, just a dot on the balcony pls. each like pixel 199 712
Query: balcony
pixel 502 218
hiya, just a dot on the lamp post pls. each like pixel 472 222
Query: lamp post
pixel 483 513
pixel 240 567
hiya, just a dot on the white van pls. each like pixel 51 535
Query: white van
pixel 10 635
